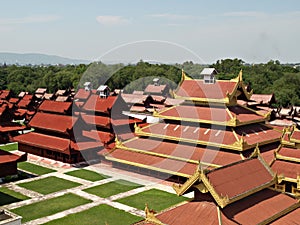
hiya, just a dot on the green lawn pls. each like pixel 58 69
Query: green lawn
pixel 49 185
pixel 102 215
pixel 87 175
pixel 156 200
pixel 36 169
pixel 112 188
pixel 9 147
pixel 49 207
pixel 8 196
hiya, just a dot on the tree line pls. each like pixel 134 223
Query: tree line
pixel 265 78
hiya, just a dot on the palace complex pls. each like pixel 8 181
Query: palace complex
pixel 212 138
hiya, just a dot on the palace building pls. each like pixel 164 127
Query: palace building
pixel 209 126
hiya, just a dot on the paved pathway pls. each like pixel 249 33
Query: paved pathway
pixel 115 174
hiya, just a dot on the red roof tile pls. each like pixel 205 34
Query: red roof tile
pixel 158 89
pixel 53 122
pixel 262 98
pixel 239 178
pixel 296 135
pixel 292 218
pixel 193 133
pixel 288 169
pixel 290 152
pixel 153 162
pixel 56 107
pixel 102 136
pixel 101 121
pixel 198 89
pixel 185 152
pixel 244 114
pixel 82 94
pixel 186 112
pixel 44 141
pixel 14 100
pixel 195 213
pixel 257 133
pixel 258 207
pixel 10 126
pixel 4 94
pixel 97 104
pixel 6 157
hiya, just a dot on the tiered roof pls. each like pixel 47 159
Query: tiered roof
pixel 237 194
pixel 209 120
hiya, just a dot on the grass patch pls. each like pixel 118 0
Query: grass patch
pixel 87 175
pixel 8 196
pixel 112 188
pixel 102 214
pixel 36 169
pixel 49 185
pixel 49 207
pixel 9 147
pixel 156 200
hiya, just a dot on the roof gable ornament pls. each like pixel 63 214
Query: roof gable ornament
pixel 150 217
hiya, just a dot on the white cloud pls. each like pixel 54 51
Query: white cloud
pixel 245 14
pixel 170 16
pixel 30 19
pixel 112 20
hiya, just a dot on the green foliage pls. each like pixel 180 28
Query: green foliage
pixel 270 77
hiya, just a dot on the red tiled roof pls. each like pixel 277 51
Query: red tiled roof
pixel 262 98
pixel 97 104
pixel 159 89
pixel 195 213
pixel 6 157
pixel 85 145
pixel 258 207
pixel 184 112
pixel 251 210
pixel 239 178
pixel 82 94
pixel 244 114
pixel 96 120
pixel 102 136
pixel 290 152
pixel 44 141
pixel 185 152
pixel 14 100
pixel 198 89
pixel 10 126
pixel 257 133
pixel 56 107
pixel 123 121
pixel 4 94
pixel 209 135
pixel 296 135
pixel 58 123
pixel 288 169
pixel 292 218
pixel 153 162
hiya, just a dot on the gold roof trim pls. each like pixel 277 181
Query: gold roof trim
pixel 150 217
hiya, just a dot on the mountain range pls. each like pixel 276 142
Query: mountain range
pixel 37 59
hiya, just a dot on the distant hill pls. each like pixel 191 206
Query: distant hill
pixel 36 59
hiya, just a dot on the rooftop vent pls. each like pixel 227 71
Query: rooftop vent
pixel 87 86
pixel 209 75
pixel 103 91
pixel 156 81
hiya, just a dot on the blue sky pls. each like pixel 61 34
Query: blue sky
pixel 203 31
